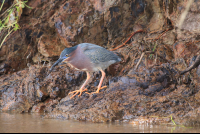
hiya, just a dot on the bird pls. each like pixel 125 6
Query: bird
pixel 87 57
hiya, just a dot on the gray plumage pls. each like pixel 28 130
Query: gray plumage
pixel 99 56
pixel 86 53
pixel 90 58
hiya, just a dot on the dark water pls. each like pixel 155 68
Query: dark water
pixel 33 123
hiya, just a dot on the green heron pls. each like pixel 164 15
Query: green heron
pixel 90 58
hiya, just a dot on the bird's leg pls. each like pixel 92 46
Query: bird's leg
pixel 100 83
pixel 82 87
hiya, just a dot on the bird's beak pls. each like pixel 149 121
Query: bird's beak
pixel 56 63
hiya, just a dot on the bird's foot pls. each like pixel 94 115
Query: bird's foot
pixel 76 92
pixel 97 90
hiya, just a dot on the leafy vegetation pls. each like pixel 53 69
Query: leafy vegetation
pixel 9 18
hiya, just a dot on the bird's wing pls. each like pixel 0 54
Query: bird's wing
pixel 99 54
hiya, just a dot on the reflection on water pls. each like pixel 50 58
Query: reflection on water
pixel 33 123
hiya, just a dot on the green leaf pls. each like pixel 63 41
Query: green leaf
pixel 16 27
pixel 22 5
pixel 2 4
pixel 28 6
pixel 7 19
pixel 17 9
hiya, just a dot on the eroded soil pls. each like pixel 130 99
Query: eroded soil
pixel 146 86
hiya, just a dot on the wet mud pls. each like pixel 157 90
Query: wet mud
pixel 158 76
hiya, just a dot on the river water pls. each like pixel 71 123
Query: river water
pixel 33 123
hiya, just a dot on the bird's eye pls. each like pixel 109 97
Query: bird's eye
pixel 66 55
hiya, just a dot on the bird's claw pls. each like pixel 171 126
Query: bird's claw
pixel 96 91
pixel 76 92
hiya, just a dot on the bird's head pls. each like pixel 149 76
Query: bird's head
pixel 64 56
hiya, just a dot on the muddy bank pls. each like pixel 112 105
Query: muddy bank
pixel 145 85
